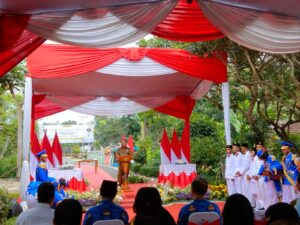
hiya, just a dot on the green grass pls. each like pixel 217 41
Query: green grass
pixel 11 221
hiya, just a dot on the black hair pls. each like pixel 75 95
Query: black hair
pixel 108 191
pixel 281 211
pixel 147 201
pixel 68 212
pixel 199 186
pixel 252 149
pixel 264 156
pixel 46 192
pixel 62 182
pixel 237 210
pixel 298 179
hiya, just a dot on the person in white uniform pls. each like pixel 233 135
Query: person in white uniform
pixel 237 167
pixel 229 171
pixel 255 194
pixel 246 160
pixel 41 214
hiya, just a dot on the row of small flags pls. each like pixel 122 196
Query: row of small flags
pixel 171 152
pixel 54 153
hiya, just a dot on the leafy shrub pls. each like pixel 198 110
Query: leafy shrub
pixel 140 156
pixel 11 221
pixel 149 171
pixel 8 167
pixel 135 167
pixel 135 178
pixel 5 204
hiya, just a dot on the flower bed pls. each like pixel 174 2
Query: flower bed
pixel 171 194
pixel 90 199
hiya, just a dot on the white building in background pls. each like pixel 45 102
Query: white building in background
pixel 80 133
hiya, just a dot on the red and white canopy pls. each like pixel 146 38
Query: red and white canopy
pixel 120 81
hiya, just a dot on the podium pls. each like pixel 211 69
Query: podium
pixel 124 165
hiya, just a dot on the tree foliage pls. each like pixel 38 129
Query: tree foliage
pixel 265 88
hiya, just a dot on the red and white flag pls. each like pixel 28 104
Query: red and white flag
pixel 165 149
pixel 130 143
pixel 45 145
pixel 57 152
pixel 185 145
pixel 176 148
pixel 35 148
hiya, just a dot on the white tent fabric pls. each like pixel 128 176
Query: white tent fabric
pixel 35 7
pixel 269 26
pixel 102 27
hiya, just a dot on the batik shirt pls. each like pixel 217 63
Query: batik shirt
pixel 106 210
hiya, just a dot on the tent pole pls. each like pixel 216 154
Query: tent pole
pixel 226 110
pixel 25 174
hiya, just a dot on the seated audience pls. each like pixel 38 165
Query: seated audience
pixel 149 210
pixel 41 214
pixel 198 188
pixel 237 211
pixel 107 209
pixel 68 212
pixel 281 211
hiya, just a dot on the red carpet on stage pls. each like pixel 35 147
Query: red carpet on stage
pixel 95 180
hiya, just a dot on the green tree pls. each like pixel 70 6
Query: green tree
pixel 264 87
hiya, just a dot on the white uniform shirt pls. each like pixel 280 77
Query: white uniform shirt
pixel 237 163
pixel 229 167
pixel 246 160
pixel 255 166
pixel 42 214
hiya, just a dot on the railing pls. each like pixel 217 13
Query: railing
pixel 101 157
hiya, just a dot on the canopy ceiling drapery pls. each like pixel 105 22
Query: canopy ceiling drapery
pixel 269 25
pixel 120 81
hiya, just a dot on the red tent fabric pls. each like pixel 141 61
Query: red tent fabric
pixel 187 22
pixel 58 61
pixel 57 151
pixel 45 145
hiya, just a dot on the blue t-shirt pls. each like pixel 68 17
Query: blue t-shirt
pixel 106 210
pixel 196 206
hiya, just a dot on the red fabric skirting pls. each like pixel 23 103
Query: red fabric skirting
pixel 182 180
pixel 77 185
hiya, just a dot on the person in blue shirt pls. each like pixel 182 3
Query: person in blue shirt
pixel 41 172
pixel 107 209
pixel 290 172
pixel 198 188
pixel 59 194
pixel 270 179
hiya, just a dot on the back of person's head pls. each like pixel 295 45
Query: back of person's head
pixel 199 186
pixel 68 212
pixel 237 211
pixel 264 156
pixel 147 201
pixel 46 192
pixel 281 211
pixel 286 222
pixel 108 189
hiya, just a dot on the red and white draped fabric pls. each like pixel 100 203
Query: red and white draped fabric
pixel 165 149
pixel 187 23
pixel 45 145
pixel 57 152
pixel 175 148
pixel 269 25
pixel 109 72
pixel 35 148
